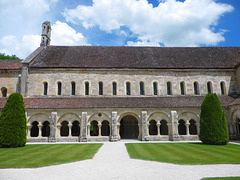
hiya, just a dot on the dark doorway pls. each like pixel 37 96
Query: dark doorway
pixel 129 127
pixel 46 129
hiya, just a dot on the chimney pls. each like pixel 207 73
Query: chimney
pixel 46 34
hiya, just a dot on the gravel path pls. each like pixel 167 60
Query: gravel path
pixel 112 162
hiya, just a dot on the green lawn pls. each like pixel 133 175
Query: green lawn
pixel 185 153
pixel 46 154
pixel 220 178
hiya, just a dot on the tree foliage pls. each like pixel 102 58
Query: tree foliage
pixel 213 125
pixel 13 122
pixel 12 57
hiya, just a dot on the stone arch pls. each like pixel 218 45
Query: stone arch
pixel 4 91
pixel 163 127
pixel 129 126
pixel 64 130
pixel 46 129
pixel 158 116
pixel 94 129
pixel 153 127
pixel 105 128
pixel 236 121
pixel 75 128
pixel 187 116
pixel 39 117
pixel 192 127
pixel 34 132
pixel 99 116
pixel 70 117
pixel 182 127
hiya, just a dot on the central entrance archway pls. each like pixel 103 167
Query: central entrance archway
pixel 129 127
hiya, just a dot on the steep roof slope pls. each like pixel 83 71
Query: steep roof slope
pixel 137 57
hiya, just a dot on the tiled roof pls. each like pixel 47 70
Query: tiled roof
pixel 137 57
pixel 116 102
pixel 10 64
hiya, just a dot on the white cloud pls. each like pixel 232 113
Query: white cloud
pixel 171 23
pixel 62 34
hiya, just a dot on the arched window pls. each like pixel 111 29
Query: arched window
pixel 105 129
pixel 192 127
pixel 182 87
pixel 181 127
pixel 196 88
pixel 141 84
pixel 169 88
pixel 64 131
pixel 86 88
pixel 100 88
pixel 59 85
pixel 209 87
pixel 4 92
pixel 34 129
pixel 155 89
pixel 73 88
pixel 114 88
pixel 128 88
pixel 223 88
pixel 163 127
pixel 152 127
pixel 94 131
pixel 75 128
pixel 45 88
pixel 46 129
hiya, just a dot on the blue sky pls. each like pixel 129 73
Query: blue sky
pixel 167 23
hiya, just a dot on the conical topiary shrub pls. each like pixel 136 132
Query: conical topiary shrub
pixel 213 126
pixel 13 122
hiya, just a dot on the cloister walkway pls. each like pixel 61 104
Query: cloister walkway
pixel 112 162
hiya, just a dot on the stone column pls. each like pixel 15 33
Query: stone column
pixel 158 128
pixel 24 76
pixel 114 127
pixel 83 131
pixel 40 129
pixel 145 133
pixel 99 129
pixel 187 128
pixel 53 127
pixel 174 128
pixel 70 129
pixel 198 128
pixel 59 130
pixel 29 130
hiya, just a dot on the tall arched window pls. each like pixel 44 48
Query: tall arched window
pixel 163 127
pixel 59 85
pixel 64 130
pixel 94 131
pixel 153 127
pixel 223 88
pixel 209 87
pixel 169 88
pixel 128 88
pixel 192 127
pixel 105 129
pixel 86 88
pixel 34 129
pixel 114 88
pixel 75 128
pixel 196 88
pixel 73 88
pixel 155 89
pixel 181 127
pixel 141 84
pixel 46 129
pixel 4 92
pixel 45 88
pixel 100 88
pixel 182 87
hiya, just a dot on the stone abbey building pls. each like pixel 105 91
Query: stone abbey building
pixel 95 93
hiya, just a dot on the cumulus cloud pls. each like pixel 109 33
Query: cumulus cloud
pixel 63 34
pixel 171 23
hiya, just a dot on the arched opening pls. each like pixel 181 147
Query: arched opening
pixel 94 131
pixel 152 127
pixel 128 88
pixel 209 87
pixel 75 128
pixel 196 88
pixel 100 88
pixel 45 88
pixel 59 86
pixel 181 127
pixel 192 127
pixel 64 131
pixel 34 129
pixel 46 129
pixel 169 88
pixel 223 88
pixel 182 87
pixel 155 89
pixel 105 129
pixel 238 126
pixel 86 88
pixel 4 92
pixel 73 88
pixel 114 86
pixel 141 84
pixel 129 127
pixel 163 127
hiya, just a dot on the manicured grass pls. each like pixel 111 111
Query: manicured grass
pixel 220 178
pixel 46 154
pixel 185 153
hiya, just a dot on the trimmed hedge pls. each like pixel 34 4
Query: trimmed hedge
pixel 13 122
pixel 213 125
